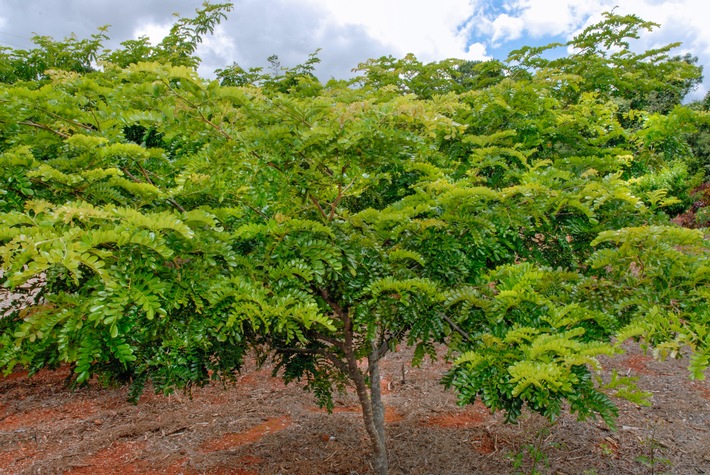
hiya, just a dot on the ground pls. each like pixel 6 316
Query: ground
pixel 260 426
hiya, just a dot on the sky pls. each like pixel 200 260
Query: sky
pixel 349 32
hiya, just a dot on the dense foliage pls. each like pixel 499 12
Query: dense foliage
pixel 516 211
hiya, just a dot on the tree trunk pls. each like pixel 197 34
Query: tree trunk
pixel 373 411
pixel 378 414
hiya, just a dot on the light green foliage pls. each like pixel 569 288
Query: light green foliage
pixel 516 212
pixel 530 343
pixel 669 270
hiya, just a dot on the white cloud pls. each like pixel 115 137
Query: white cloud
pixel 217 51
pixel 430 30
pixel 555 17
pixel 292 30
pixel 154 31
pixel 536 18
pixel 506 27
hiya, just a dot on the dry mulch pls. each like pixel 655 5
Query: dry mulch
pixel 260 426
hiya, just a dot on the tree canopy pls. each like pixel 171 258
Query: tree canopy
pixel 516 211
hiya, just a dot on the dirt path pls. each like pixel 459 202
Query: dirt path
pixel 263 427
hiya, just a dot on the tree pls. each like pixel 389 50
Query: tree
pixel 70 54
pixel 180 222
pixel 410 76
pixel 281 79
pixel 604 62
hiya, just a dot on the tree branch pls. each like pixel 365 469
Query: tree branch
pixel 176 205
pixel 315 202
pixel 339 310
pixel 332 341
pixel 98 124
pixel 385 344
pixel 342 366
pixel 455 326
pixel 44 127
pixel 197 109
pixel 64 119
pixel 145 173
pixel 130 175
pixel 304 351
pixel 260 213
pixel 133 178
pixel 335 203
